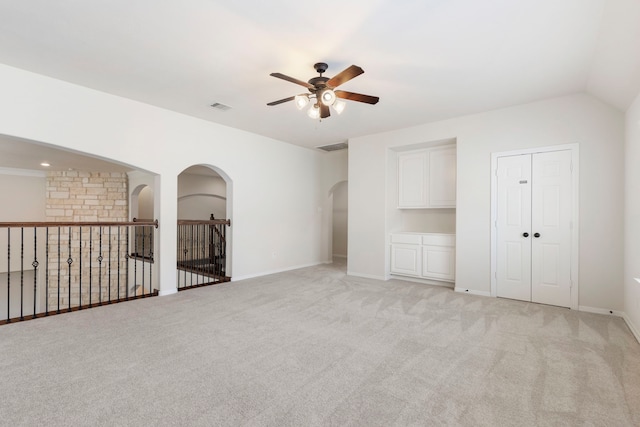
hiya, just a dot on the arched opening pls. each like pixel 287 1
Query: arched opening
pixel 202 192
pixel 142 245
pixel 204 237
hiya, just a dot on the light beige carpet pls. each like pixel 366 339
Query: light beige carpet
pixel 314 347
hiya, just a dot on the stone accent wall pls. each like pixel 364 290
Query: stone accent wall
pixel 86 196
pixel 74 196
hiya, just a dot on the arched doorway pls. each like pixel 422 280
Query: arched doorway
pixel 204 234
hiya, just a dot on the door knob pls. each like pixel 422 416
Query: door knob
pixel 536 235
pixel 525 234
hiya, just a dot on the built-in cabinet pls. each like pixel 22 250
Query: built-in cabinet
pixel 423 255
pixel 427 178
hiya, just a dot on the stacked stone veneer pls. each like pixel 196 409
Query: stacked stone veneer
pixel 97 253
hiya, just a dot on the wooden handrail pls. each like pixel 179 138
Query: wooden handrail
pixel 205 222
pixel 77 224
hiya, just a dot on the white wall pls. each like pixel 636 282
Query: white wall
pixel 278 189
pixel 579 118
pixel 632 218
pixel 23 194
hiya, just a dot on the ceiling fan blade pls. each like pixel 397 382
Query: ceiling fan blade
pixel 280 101
pixel 324 110
pixel 344 76
pixel 357 97
pixel 292 80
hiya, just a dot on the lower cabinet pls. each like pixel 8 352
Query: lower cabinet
pixel 423 255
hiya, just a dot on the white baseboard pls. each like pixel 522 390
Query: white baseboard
pixel 634 330
pixel 473 292
pixel 422 281
pixel 601 311
pixel 365 276
pixel 167 292
pixel 280 270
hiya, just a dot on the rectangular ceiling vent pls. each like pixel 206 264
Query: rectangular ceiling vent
pixel 221 107
pixel 334 147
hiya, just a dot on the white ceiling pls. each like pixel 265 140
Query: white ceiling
pixel 426 59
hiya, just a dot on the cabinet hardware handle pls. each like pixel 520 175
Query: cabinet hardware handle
pixel 536 235
pixel 525 234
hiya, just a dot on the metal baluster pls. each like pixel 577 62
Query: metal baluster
pixel 109 265
pixel 151 231
pixel 69 261
pixel 35 264
pixel 100 258
pixel 135 264
pixel 119 243
pixel 21 273
pixel 8 274
pixel 80 272
pixel 46 275
pixel 143 255
pixel 193 255
pixel 126 256
pixel 90 263
pixel 59 255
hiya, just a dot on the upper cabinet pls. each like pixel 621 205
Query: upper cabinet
pixel 427 178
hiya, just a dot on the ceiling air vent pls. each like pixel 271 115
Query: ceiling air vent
pixel 221 107
pixel 334 147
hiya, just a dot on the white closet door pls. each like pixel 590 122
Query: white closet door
pixel 514 227
pixel 551 228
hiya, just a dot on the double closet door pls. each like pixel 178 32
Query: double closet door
pixel 534 226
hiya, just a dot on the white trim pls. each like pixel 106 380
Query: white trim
pixel 339 256
pixel 422 281
pixel 598 310
pixel 472 292
pixel 366 276
pixel 634 330
pixel 280 270
pixel 575 206
pixel 23 172
pixel 167 292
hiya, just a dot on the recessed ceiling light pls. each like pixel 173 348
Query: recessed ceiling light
pixel 45 164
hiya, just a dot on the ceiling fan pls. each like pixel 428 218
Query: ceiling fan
pixel 322 94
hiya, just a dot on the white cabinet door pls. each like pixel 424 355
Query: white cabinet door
pixel 405 259
pixel 442 177
pixel 427 178
pixel 438 262
pixel 412 179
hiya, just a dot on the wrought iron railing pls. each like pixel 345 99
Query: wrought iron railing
pixel 54 267
pixel 202 252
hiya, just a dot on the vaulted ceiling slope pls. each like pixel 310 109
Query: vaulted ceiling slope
pixel 426 59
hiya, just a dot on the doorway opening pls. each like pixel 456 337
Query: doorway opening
pixel 204 237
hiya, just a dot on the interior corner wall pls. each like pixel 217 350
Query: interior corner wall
pixel 23 195
pixel 278 188
pixel 632 218
pixel 578 118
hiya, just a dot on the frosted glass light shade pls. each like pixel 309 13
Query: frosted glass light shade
pixel 301 101
pixel 339 105
pixel 328 97
pixel 314 112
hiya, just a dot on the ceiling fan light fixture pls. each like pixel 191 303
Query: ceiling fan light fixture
pixel 339 105
pixel 301 101
pixel 314 112
pixel 328 97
